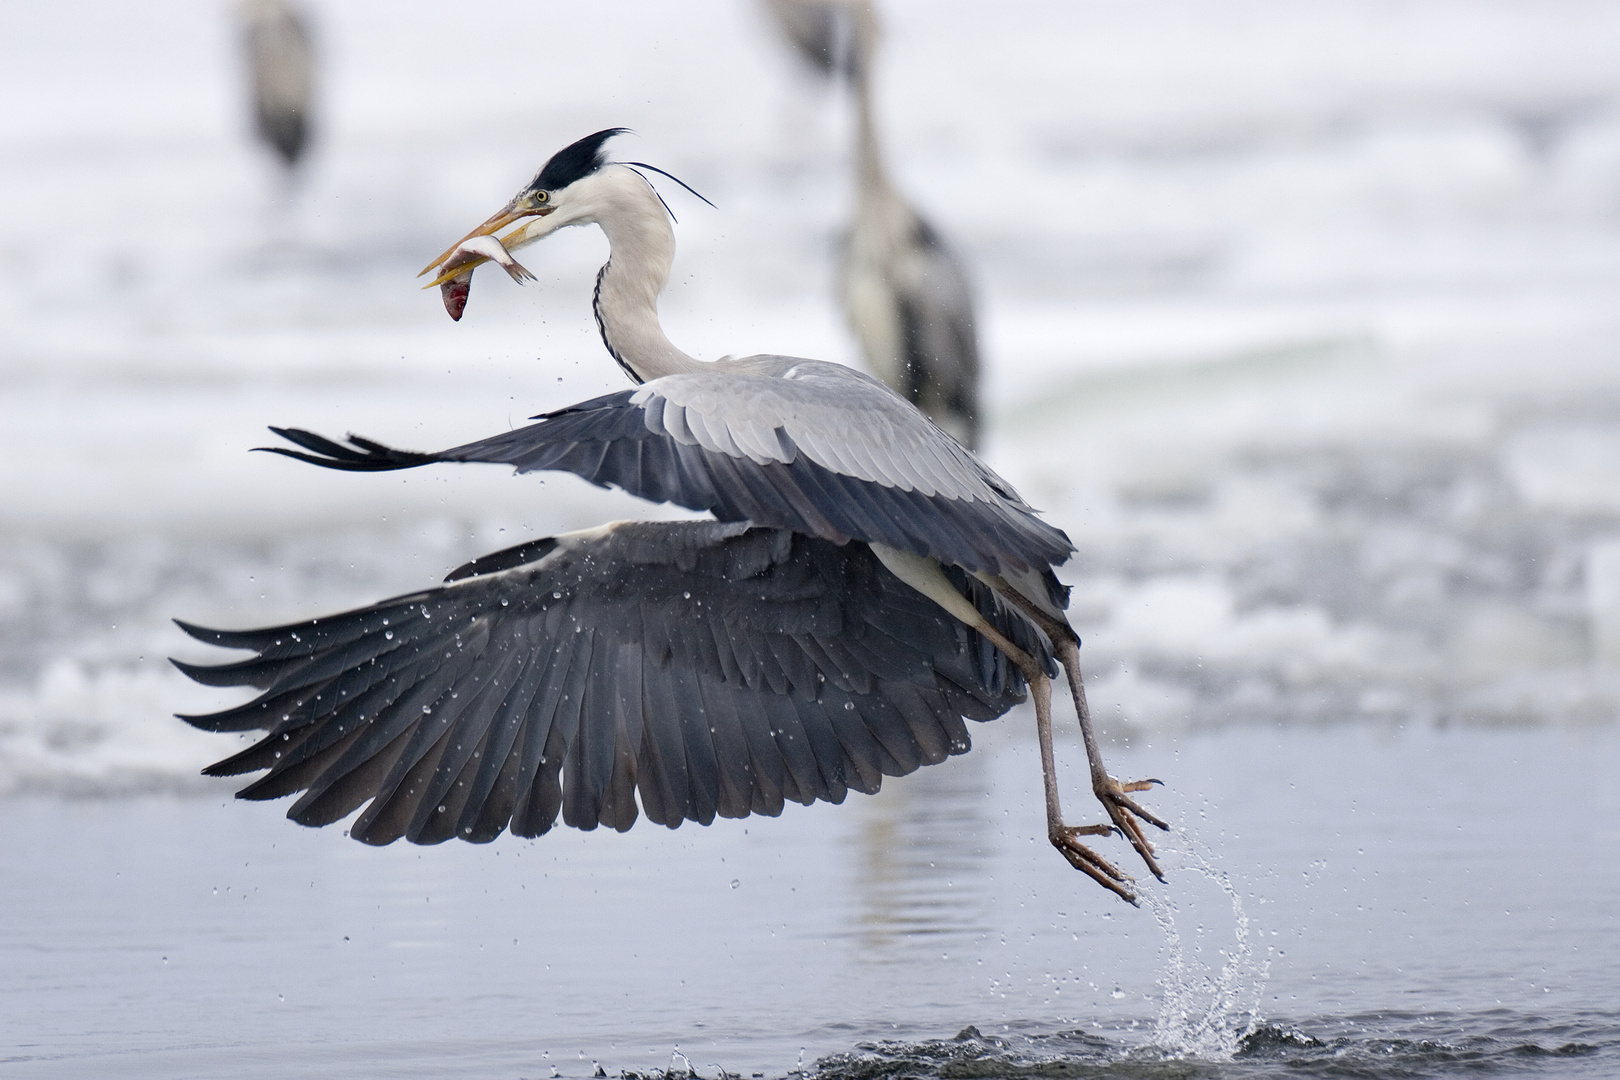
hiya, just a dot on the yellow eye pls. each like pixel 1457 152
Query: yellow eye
pixel 542 196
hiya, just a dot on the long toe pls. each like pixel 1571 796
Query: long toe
pixel 1089 862
pixel 1121 808
pixel 1143 846
pixel 1089 830
pixel 1136 808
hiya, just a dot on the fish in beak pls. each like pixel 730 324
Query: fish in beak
pixel 456 268
pixel 538 202
pixel 457 263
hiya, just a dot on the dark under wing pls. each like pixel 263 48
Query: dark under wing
pixel 608 441
pixel 714 668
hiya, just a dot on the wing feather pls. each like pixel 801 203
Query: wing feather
pixel 588 763
pixel 445 796
pixel 493 793
pixel 821 743
pixel 762 440
pixel 666 796
pixel 703 669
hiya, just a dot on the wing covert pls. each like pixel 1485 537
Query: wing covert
pixel 800 445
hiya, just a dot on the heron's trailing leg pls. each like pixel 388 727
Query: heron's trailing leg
pixel 924 575
pixel 1063 836
pixel 1123 810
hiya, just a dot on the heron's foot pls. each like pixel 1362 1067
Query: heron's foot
pixel 1127 814
pixel 1088 862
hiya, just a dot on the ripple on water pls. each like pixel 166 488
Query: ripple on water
pixel 1372 1046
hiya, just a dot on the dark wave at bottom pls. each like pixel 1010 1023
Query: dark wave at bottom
pixel 1373 1046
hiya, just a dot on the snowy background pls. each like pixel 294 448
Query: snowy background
pixel 1300 318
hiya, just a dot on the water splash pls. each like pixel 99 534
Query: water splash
pixel 1205 1014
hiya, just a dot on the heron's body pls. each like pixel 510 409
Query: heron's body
pixel 868 583
pixel 281 65
pixel 909 302
pixel 905 293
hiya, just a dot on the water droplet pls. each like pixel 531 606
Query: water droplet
pixel 735 883
pixel 389 634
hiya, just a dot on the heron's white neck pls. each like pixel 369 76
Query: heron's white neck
pixel 626 302
pixel 868 155
pixel 878 205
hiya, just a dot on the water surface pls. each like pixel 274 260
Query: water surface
pixel 1381 901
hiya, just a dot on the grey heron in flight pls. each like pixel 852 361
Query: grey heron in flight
pixel 280 60
pixel 867 584
pixel 905 293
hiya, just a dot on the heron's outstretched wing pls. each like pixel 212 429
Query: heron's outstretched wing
pixel 795 444
pixel 714 668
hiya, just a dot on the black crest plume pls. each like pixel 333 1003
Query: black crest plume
pixel 575 162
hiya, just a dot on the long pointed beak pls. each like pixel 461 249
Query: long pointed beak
pixel 509 213
pixel 457 270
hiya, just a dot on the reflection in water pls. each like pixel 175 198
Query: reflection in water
pixel 918 838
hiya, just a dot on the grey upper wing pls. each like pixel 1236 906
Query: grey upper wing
pixel 713 668
pixel 803 445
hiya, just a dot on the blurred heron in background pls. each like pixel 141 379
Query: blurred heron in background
pixel 904 291
pixel 867 584
pixel 276 39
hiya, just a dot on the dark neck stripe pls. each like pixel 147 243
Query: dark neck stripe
pixel 601 327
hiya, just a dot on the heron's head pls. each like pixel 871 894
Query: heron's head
pixel 578 186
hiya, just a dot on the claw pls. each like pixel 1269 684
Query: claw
pixel 1121 807
pixel 1088 862
pixel 1145 815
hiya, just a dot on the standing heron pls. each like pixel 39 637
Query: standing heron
pixel 281 64
pixel 905 292
pixel 866 584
